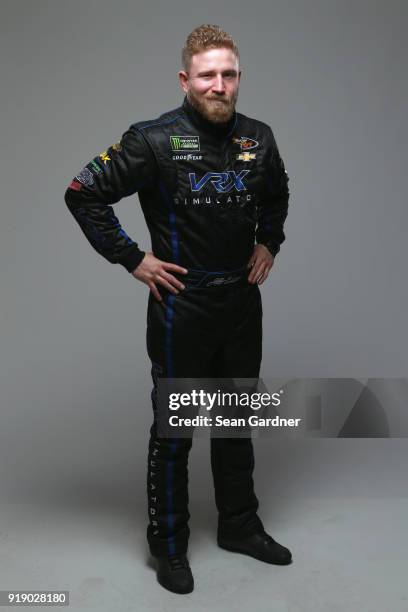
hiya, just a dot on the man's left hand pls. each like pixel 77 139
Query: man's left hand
pixel 261 263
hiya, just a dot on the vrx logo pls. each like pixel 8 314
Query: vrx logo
pixel 223 182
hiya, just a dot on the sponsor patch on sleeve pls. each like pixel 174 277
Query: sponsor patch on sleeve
pixel 94 167
pixel 75 185
pixel 85 177
pixel 106 155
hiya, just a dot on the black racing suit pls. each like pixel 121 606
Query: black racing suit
pixel 208 192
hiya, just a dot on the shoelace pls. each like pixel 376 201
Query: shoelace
pixel 178 562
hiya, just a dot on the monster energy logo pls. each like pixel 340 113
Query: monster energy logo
pixel 185 143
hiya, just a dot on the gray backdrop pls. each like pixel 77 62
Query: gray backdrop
pixel 328 76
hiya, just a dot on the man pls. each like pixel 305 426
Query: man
pixel 211 183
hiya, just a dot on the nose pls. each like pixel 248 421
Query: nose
pixel 219 84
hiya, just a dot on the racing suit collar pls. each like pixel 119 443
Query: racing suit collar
pixel 219 130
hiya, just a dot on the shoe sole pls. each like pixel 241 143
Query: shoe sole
pixel 243 552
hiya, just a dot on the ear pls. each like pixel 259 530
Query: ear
pixel 183 80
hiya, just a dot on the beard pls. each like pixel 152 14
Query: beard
pixel 217 110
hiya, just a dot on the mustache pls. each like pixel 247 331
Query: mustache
pixel 224 100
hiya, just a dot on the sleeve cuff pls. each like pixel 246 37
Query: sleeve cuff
pixel 272 247
pixel 132 259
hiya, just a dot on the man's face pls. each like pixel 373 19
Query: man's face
pixel 212 83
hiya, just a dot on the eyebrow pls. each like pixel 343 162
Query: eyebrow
pixel 204 72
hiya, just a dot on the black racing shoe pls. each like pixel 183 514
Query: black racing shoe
pixel 174 573
pixel 259 545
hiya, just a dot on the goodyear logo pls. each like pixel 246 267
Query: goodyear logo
pixel 185 143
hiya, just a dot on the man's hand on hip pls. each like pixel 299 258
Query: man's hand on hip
pixel 261 263
pixel 152 271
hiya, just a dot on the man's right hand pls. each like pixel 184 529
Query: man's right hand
pixel 152 271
